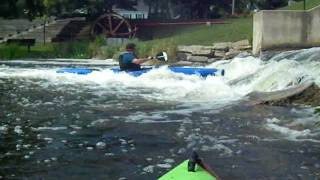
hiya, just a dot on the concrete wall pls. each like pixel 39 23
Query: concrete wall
pixel 314 31
pixel 286 29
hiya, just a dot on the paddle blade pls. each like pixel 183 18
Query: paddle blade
pixel 162 56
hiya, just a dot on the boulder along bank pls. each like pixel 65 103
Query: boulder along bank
pixel 201 55
pixel 303 94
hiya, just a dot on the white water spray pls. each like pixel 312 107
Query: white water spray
pixel 243 75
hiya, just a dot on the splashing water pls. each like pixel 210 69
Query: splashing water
pixel 247 74
pixel 138 127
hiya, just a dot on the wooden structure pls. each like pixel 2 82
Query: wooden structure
pixel 116 26
pixel 22 42
pixel 112 25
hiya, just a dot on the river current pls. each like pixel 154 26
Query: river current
pixel 115 126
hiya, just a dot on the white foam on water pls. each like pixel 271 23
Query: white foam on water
pixel 290 131
pixel 49 128
pixel 238 67
pixel 243 75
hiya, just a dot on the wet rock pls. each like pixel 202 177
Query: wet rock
pixel 231 54
pixel 210 54
pixel 241 45
pixel 196 50
pixel 212 60
pixel 303 94
pixel 183 56
pixel 182 63
pixel 219 54
pixel 223 46
pixel 202 59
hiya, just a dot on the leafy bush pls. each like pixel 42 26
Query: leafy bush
pixel 13 51
pixel 75 49
pixel 94 46
pixel 109 52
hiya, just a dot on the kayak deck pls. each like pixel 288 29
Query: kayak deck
pixel 181 173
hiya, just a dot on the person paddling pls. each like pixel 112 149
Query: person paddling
pixel 128 60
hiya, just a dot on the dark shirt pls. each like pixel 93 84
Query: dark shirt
pixel 126 61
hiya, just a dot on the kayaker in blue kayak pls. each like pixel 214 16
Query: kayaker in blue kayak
pixel 128 60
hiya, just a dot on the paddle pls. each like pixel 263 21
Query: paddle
pixel 161 56
pixel 195 160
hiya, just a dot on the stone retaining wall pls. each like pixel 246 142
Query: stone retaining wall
pixel 283 29
pixel 196 54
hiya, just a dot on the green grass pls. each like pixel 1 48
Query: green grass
pixel 79 50
pixel 299 5
pixel 12 51
pixel 235 29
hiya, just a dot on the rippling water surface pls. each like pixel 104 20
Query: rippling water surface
pixel 114 126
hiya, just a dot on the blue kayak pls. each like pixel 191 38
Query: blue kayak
pixel 204 72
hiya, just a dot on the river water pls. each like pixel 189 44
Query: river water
pixel 114 126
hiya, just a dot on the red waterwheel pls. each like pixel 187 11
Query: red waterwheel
pixel 112 25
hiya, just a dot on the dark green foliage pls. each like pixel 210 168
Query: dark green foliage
pixel 34 8
pixel 76 49
pixel 96 44
pixel 8 8
pixel 13 51
pixel 271 4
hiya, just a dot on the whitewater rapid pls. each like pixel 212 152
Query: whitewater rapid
pixel 243 76
pixel 139 127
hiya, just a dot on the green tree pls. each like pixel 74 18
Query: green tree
pixel 34 8
pixel 8 8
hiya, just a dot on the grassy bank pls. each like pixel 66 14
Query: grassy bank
pixel 165 39
pixel 83 50
pixel 299 5
pixel 235 29
pixel 50 50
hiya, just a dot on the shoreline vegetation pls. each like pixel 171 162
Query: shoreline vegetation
pixel 235 29
pixel 165 39
pixel 298 5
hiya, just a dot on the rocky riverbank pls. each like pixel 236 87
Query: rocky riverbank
pixel 303 94
pixel 196 55
pixel 201 55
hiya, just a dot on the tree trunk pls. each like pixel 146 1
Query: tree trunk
pixel 233 5
pixel 170 8
pixel 44 31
